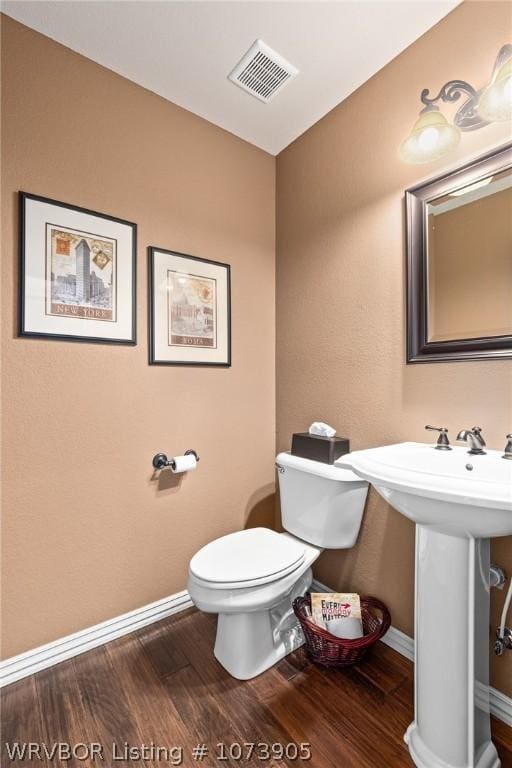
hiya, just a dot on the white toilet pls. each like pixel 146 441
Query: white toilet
pixel 250 578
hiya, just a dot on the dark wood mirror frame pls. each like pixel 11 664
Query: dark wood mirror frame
pixel 419 349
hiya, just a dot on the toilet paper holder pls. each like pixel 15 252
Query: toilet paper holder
pixel 160 460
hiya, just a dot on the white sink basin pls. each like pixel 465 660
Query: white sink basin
pixel 458 501
pixel 452 490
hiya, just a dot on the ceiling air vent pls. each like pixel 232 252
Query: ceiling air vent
pixel 262 72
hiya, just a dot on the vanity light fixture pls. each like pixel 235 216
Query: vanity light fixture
pixel 432 136
pixel 496 100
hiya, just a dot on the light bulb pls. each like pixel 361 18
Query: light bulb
pixel 432 137
pixel 428 139
pixel 495 103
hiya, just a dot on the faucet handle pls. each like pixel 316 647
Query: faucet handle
pixel 443 444
pixel 508 448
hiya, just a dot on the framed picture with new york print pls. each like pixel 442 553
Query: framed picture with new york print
pixel 190 310
pixel 77 273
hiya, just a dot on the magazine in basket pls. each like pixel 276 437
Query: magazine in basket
pixel 338 612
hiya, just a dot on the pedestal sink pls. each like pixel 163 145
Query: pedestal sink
pixel 458 502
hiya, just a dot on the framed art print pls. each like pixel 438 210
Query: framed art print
pixel 190 310
pixel 77 273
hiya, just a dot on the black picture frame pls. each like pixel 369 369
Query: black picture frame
pixel 23 197
pixel 152 357
pixel 419 348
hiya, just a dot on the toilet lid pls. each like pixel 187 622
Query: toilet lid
pixel 253 555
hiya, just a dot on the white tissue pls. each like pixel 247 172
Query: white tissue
pixel 184 463
pixel 319 428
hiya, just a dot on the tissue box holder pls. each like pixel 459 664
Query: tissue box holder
pixel 319 448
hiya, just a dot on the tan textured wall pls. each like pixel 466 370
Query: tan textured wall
pixel 87 532
pixel 340 293
pixel 470 269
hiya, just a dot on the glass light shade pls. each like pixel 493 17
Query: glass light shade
pixel 496 100
pixel 432 137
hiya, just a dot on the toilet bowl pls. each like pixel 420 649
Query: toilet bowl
pixel 250 578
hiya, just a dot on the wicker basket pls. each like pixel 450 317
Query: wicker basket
pixel 330 651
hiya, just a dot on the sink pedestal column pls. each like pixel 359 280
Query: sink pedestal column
pixel 452 723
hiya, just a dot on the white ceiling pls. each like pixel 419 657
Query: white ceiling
pixel 184 51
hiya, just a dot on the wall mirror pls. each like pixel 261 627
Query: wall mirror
pixel 459 263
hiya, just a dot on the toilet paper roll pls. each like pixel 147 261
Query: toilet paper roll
pixel 346 627
pixel 184 463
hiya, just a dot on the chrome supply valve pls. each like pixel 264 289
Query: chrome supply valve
pixel 508 448
pixel 475 439
pixel 443 444
pixel 502 644
pixel 497 576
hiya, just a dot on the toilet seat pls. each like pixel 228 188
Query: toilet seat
pixel 247 558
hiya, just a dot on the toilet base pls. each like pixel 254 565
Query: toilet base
pixel 249 643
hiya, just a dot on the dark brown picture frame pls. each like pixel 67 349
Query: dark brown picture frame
pixel 419 349
pixel 153 359
pixel 22 329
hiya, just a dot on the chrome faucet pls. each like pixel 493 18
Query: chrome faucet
pixel 508 448
pixel 474 438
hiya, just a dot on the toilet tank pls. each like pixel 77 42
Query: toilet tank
pixel 320 503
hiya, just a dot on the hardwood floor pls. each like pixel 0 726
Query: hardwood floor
pixel 162 686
